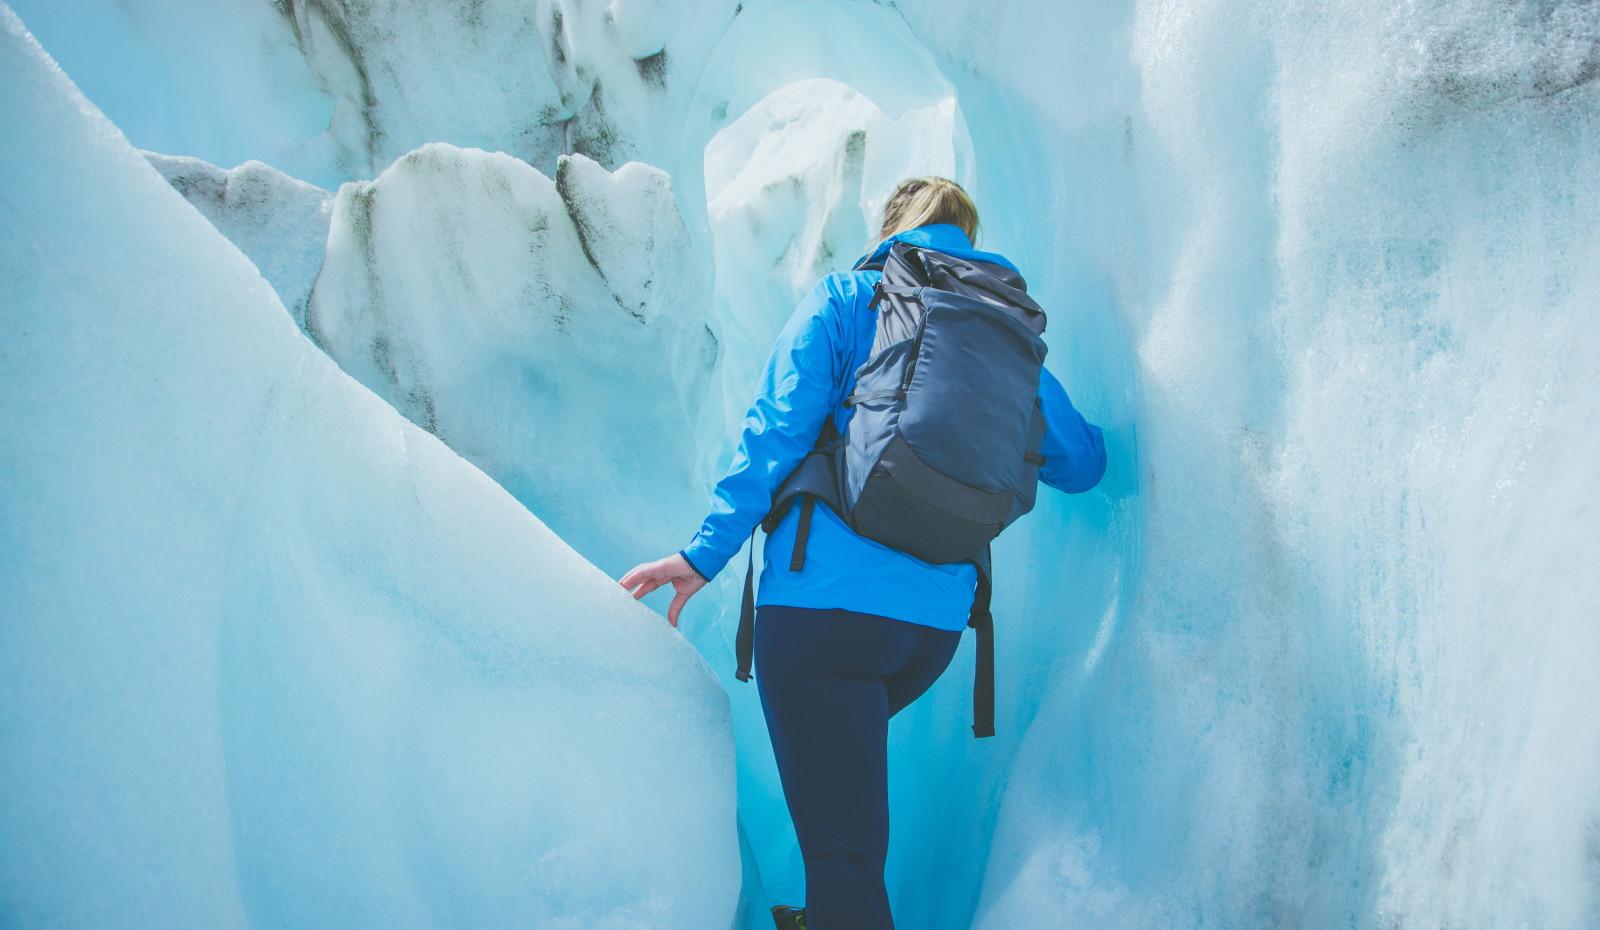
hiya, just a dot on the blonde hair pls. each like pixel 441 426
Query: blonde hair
pixel 925 201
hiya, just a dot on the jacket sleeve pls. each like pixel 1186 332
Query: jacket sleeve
pixel 796 393
pixel 1074 450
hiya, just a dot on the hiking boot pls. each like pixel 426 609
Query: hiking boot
pixel 789 918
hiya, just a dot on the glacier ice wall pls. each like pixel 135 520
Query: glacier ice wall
pixel 272 656
pixel 1335 267
pixel 1304 657
pixel 1317 652
pixel 536 80
pixel 333 90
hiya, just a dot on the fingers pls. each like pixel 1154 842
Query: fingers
pixel 680 599
pixel 686 588
pixel 651 576
pixel 646 578
pixel 639 573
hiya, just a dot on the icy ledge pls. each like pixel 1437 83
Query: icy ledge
pixel 552 330
pixel 278 222
pixel 272 655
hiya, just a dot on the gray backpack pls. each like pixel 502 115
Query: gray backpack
pixel 942 450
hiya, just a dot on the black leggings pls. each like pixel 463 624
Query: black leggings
pixel 830 680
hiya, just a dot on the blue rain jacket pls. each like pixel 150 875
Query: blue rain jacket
pixel 811 371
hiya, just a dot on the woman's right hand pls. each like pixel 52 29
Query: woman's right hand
pixel 674 570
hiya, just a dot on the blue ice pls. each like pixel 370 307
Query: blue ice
pixel 1318 652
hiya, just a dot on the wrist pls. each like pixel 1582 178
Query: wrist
pixel 684 555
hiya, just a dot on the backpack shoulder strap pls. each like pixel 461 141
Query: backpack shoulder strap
pixel 814 480
pixel 815 477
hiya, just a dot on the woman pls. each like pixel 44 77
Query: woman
pixel 863 629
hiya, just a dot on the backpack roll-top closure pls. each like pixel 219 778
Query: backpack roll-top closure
pixel 993 284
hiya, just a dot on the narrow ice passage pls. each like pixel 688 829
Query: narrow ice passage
pixel 1318 652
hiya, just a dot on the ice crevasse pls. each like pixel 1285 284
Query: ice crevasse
pixel 1318 652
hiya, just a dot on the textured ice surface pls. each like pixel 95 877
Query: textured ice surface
pixel 551 331
pixel 279 223
pixel 273 656
pixel 536 80
pixel 1319 651
pixel 332 90
pixel 1334 264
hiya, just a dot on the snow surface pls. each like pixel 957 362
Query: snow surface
pixel 273 656
pixel 1319 651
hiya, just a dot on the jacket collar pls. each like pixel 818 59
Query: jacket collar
pixel 941 237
